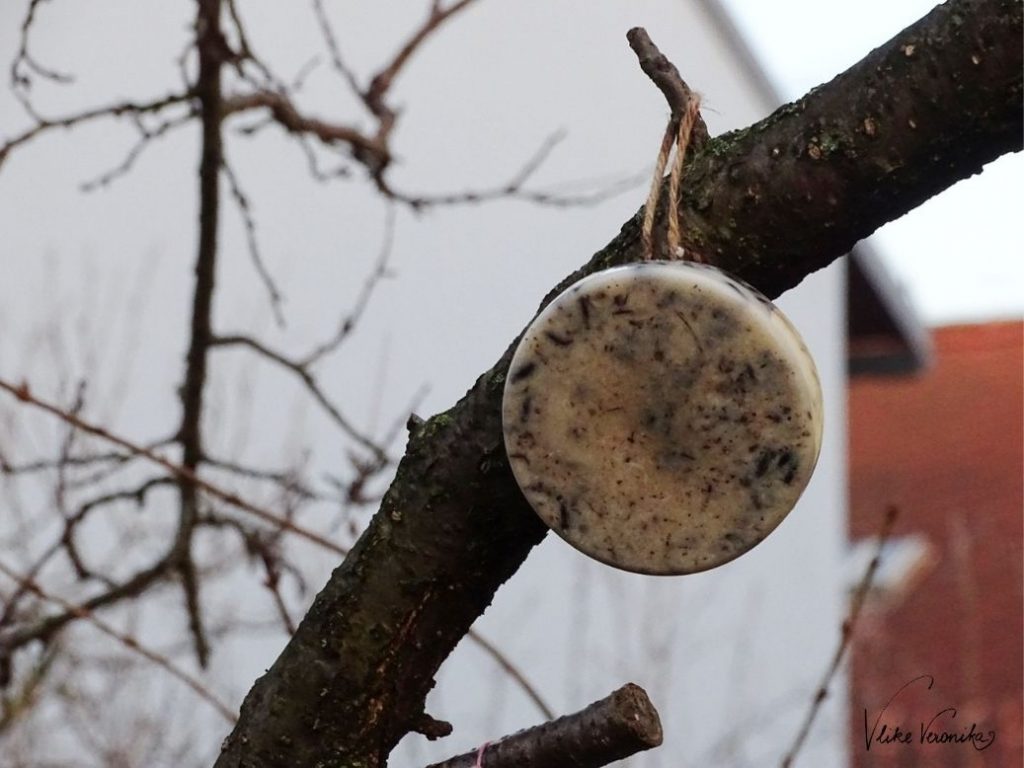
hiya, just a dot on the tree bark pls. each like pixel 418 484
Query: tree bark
pixel 611 729
pixel 771 204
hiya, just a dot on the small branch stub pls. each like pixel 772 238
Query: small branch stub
pixel 611 729
pixel 665 76
pixel 686 130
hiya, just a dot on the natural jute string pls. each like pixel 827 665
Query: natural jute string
pixel 677 132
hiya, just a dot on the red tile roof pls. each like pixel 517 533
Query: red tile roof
pixel 946 447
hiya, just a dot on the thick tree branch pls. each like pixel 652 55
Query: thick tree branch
pixel 771 204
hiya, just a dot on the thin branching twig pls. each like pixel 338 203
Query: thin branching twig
pixel 248 220
pixel 24 394
pixel 846 636
pixel 125 639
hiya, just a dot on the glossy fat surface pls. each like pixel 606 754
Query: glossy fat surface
pixel 662 417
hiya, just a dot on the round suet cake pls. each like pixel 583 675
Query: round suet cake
pixel 662 417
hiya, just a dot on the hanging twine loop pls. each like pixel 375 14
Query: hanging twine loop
pixel 685 129
pixel 677 133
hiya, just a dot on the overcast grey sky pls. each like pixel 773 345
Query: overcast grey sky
pixel 959 254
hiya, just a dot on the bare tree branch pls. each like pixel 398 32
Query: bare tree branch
pixel 129 642
pixel 515 188
pixel 611 729
pixel 310 382
pixel 246 52
pixel 80 460
pixel 201 98
pixel 146 578
pixel 181 472
pixel 146 137
pixel 373 150
pixel 245 210
pixel 366 149
pixel 118 109
pixel 383 80
pixel 21 82
pixel 515 673
pixel 348 322
pixel 46 627
pixel 331 41
pixel 831 167
pixel 287 479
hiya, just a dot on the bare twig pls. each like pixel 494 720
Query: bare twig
pixel 685 128
pixel 247 54
pixel 272 584
pixel 288 479
pixel 145 578
pixel 45 628
pixel 14 705
pixel 136 494
pixel 60 488
pixel 302 372
pixel 129 642
pixel 513 671
pixel 372 150
pixel 245 210
pixel 515 188
pixel 146 137
pixel 179 471
pixel 666 77
pixel 331 41
pixel 348 322
pixel 849 625
pixel 382 81
pixel 614 728
pixel 313 163
pixel 364 148
pixel 300 77
pixel 82 460
pixel 19 81
pixel 263 546
pixel 119 109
